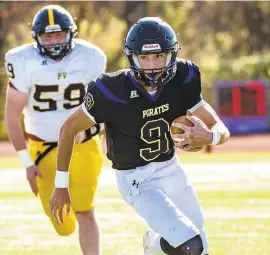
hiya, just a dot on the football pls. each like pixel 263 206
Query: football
pixel 177 130
pixel 182 120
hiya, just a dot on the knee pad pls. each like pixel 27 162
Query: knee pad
pixel 193 246
pixel 64 230
pixel 67 228
pixel 64 233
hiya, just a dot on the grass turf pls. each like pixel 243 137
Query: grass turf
pixel 194 158
pixel 236 207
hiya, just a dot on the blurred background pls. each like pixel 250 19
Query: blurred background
pixel 228 40
pixel 230 43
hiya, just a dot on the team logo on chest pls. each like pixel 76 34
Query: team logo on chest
pixel 61 76
pixel 155 111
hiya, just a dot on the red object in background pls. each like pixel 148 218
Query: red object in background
pixel 236 99
pixel 248 99
pixel 242 106
pixel 260 92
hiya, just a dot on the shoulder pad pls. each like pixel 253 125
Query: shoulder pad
pixel 23 51
pixel 111 85
pixel 117 73
pixel 187 70
pixel 115 76
pixel 85 46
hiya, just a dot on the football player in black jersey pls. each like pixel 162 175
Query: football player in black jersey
pixel 138 106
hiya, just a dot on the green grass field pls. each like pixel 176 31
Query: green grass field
pixel 235 199
pixel 189 158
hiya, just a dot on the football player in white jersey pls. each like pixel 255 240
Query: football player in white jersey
pixel 47 82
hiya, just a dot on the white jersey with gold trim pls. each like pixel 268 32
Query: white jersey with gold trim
pixel 55 88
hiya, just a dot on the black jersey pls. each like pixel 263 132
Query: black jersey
pixel 137 123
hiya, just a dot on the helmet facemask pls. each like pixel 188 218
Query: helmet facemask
pixel 55 51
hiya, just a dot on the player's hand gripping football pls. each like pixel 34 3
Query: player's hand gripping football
pixel 60 204
pixel 197 136
pixel 31 174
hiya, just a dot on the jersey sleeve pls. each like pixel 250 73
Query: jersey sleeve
pixel 15 70
pixel 193 88
pixel 93 105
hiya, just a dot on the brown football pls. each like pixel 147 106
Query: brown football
pixel 182 120
pixel 176 130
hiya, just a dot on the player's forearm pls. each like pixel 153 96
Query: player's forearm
pixel 77 122
pixel 65 147
pixel 210 118
pixel 15 132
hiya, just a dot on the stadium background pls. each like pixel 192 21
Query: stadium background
pixel 230 42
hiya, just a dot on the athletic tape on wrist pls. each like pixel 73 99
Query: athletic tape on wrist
pixel 216 137
pixel 25 158
pixel 61 179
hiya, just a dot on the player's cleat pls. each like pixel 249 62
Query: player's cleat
pixel 148 243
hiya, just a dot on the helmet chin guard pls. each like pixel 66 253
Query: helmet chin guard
pixel 55 51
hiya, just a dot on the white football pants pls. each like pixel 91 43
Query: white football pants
pixel 161 193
